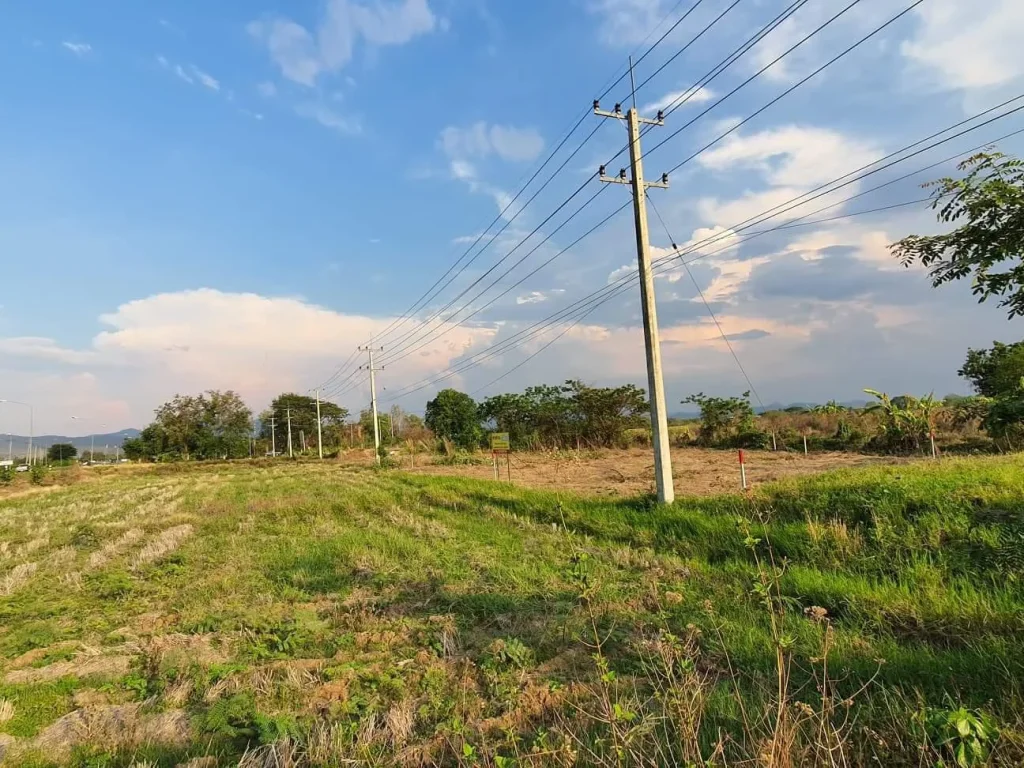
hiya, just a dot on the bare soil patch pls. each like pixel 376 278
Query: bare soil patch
pixel 630 472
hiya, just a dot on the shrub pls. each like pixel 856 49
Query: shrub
pixel 722 418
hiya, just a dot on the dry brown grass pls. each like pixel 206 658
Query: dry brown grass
pixel 165 543
pixel 629 472
pixel 16 577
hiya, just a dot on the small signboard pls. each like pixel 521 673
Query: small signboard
pixel 6 463
pixel 500 442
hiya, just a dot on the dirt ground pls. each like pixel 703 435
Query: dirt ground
pixel 630 472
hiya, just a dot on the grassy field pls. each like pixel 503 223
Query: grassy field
pixel 294 615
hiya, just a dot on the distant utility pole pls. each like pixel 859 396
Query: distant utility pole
pixel 273 439
pixel 288 414
pixel 319 430
pixel 655 382
pixel 373 397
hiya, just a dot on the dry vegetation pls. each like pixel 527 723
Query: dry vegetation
pixel 630 472
pixel 278 614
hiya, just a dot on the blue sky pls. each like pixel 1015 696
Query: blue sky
pixel 234 195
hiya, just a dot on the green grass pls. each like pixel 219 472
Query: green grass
pixel 383 617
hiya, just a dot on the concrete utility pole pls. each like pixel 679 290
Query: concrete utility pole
pixel 655 381
pixel 288 414
pixel 373 397
pixel 319 430
pixel 273 439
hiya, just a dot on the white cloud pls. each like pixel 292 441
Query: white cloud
pixel 206 79
pixel 180 72
pixel 465 146
pixel 627 22
pixel 967 47
pixel 191 341
pixel 329 118
pixel 482 140
pixel 538 297
pixel 304 56
pixel 39 348
pixel 516 143
pixel 163 62
pixel 698 96
pixel 792 155
pixel 267 89
pixel 79 49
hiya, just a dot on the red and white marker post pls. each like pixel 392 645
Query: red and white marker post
pixel 743 470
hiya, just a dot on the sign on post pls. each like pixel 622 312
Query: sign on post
pixel 501 445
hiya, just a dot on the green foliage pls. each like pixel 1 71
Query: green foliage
pixel 962 737
pixel 37 474
pixel 569 415
pixel 832 406
pixel 208 426
pixel 997 371
pixel 452 415
pixel 61 452
pixel 727 421
pixel 906 423
pixel 238 719
pixel 6 475
pixel 989 245
pixel 303 419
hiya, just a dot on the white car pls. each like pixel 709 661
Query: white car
pixel 22 468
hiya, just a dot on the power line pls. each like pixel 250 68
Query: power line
pixel 427 295
pixel 589 303
pixel 707 306
pixel 711 75
pixel 793 87
pixel 720 68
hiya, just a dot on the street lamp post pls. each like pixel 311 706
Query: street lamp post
pixel 31 420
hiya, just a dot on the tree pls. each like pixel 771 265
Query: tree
pixel 453 415
pixel 212 425
pixel 383 423
pixel 997 371
pixel 990 244
pixel 61 452
pixel 602 414
pixel 303 419
pixel 723 418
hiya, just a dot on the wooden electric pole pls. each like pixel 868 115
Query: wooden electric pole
pixel 373 397
pixel 655 380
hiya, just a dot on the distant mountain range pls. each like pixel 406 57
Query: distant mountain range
pixel 82 442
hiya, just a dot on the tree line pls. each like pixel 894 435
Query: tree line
pixel 569 415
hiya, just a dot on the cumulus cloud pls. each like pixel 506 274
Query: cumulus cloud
pixel 190 341
pixel 303 55
pixel 962 47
